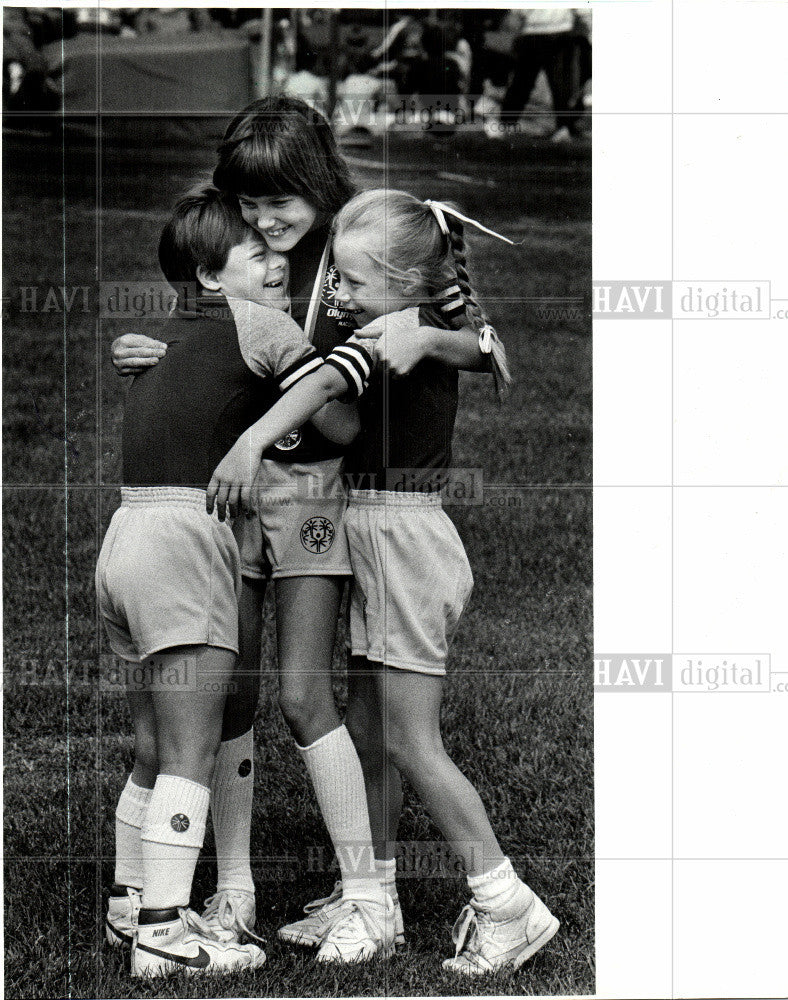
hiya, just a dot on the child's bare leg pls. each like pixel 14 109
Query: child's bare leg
pixel 232 787
pixel 146 763
pixel 307 608
pixel 188 731
pixel 382 780
pixel 410 705
pixel 135 797
pixel 241 705
pixel 306 613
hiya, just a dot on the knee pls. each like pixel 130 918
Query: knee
pixel 197 749
pixel 301 713
pixel 410 750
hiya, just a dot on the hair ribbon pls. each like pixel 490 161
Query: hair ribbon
pixel 440 210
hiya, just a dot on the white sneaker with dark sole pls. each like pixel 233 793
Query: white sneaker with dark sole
pixel 232 910
pixel 360 931
pixel 121 920
pixel 320 913
pixel 485 945
pixel 178 940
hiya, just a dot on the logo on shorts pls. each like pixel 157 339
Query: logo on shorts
pixel 180 823
pixel 317 534
pixel 289 441
pixel 244 768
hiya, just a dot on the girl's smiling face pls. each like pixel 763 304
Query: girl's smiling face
pixel 282 220
pixel 364 286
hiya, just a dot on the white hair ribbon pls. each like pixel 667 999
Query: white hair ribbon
pixel 440 210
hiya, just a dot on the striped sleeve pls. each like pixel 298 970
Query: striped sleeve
pixel 354 364
pixel 298 370
pixel 273 344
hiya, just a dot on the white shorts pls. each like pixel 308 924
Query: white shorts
pixel 298 526
pixel 411 579
pixel 168 574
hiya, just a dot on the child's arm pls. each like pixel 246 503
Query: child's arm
pixel 344 373
pixel 403 347
pixel 338 422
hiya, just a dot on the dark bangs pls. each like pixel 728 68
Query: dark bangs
pixel 281 146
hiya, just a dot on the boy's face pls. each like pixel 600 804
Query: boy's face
pixel 280 219
pixel 364 286
pixel 255 273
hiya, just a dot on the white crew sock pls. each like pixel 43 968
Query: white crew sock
pixel 500 891
pixel 387 871
pixel 232 790
pixel 335 770
pixel 129 817
pixel 172 836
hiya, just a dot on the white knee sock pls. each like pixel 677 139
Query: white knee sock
pixel 172 836
pixel 231 810
pixel 500 891
pixel 387 870
pixel 129 817
pixel 335 770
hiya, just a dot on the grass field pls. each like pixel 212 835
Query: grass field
pixel 518 709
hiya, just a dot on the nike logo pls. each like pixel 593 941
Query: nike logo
pixel 200 960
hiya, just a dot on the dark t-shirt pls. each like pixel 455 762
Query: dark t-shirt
pixel 225 366
pixel 407 423
pixel 183 415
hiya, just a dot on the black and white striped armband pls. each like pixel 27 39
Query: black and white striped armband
pixel 355 365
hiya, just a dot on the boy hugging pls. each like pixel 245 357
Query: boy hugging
pixel 169 574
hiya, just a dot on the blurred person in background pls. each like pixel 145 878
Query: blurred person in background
pixel 546 42
pixel 27 84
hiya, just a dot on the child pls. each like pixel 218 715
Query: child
pixel 280 159
pixel 411 575
pixel 168 575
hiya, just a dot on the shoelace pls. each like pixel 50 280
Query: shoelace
pixel 191 919
pixel 225 907
pixel 467 933
pixel 341 930
pixel 318 904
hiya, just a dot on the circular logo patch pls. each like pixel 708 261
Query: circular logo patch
pixel 317 534
pixel 289 441
pixel 244 768
pixel 180 823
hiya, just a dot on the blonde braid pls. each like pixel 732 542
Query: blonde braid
pixel 476 315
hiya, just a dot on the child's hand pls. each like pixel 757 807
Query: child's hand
pixel 399 342
pixel 231 484
pixel 133 352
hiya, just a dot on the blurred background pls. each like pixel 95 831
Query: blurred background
pixel 371 70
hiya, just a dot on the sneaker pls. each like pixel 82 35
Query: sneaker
pixel 232 910
pixel 178 940
pixel 561 135
pixel 486 945
pixel 320 913
pixel 121 922
pixel 360 931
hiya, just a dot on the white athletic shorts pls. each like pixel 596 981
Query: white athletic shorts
pixel 411 579
pixel 298 526
pixel 168 574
